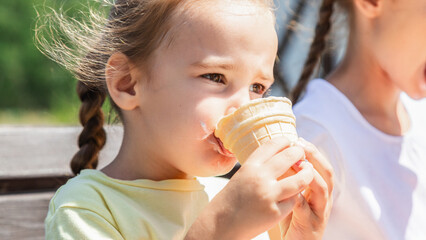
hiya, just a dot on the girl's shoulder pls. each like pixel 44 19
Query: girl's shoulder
pixel 320 98
pixel 81 195
pixel 83 188
pixel 79 209
pixel 325 106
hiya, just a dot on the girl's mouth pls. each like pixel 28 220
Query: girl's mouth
pixel 215 141
pixel 221 149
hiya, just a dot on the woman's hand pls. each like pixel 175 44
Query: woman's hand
pixel 311 212
pixel 254 200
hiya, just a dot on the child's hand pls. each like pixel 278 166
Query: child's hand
pixel 254 200
pixel 310 215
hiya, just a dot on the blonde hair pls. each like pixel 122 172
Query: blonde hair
pixel 133 27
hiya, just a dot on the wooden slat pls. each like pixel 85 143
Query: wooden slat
pixel 22 216
pixel 31 184
pixel 46 151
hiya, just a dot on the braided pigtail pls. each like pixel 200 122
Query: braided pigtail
pixel 317 47
pixel 93 136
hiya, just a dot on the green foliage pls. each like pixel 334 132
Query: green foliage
pixel 29 81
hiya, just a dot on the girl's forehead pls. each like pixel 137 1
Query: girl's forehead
pixel 225 31
pixel 194 8
pixel 212 11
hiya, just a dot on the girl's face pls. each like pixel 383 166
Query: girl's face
pixel 220 57
pixel 400 44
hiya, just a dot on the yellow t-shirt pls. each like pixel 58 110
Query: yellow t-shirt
pixel 94 206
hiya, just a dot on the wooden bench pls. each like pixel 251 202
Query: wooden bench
pixel 34 163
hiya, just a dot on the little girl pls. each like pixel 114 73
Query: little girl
pixel 364 118
pixel 172 69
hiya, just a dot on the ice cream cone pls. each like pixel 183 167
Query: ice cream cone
pixel 254 123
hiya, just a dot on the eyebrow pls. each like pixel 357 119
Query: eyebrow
pixel 205 65
pixel 213 64
pixel 267 78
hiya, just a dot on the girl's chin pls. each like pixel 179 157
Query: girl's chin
pixel 418 89
pixel 418 95
pixel 221 167
pixel 422 87
pixel 227 170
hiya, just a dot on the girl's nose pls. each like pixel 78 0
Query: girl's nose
pixel 238 99
pixel 231 110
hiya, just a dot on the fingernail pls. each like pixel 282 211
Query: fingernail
pixel 298 165
pixel 300 142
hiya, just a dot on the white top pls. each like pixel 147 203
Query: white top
pixel 380 189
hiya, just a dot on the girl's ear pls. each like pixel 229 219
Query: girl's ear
pixel 369 8
pixel 121 79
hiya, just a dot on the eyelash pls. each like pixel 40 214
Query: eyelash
pixel 220 78
pixel 262 91
pixel 213 77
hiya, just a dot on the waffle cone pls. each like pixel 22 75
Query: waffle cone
pixel 255 123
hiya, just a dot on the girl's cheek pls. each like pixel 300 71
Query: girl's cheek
pixel 203 130
pixel 204 127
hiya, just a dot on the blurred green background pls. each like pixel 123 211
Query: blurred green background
pixel 33 89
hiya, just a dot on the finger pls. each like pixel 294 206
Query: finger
pixel 286 206
pixel 304 216
pixel 268 150
pixel 302 211
pixel 318 195
pixel 282 161
pixel 320 163
pixel 293 185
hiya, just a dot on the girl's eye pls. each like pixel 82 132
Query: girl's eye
pixel 258 88
pixel 214 77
